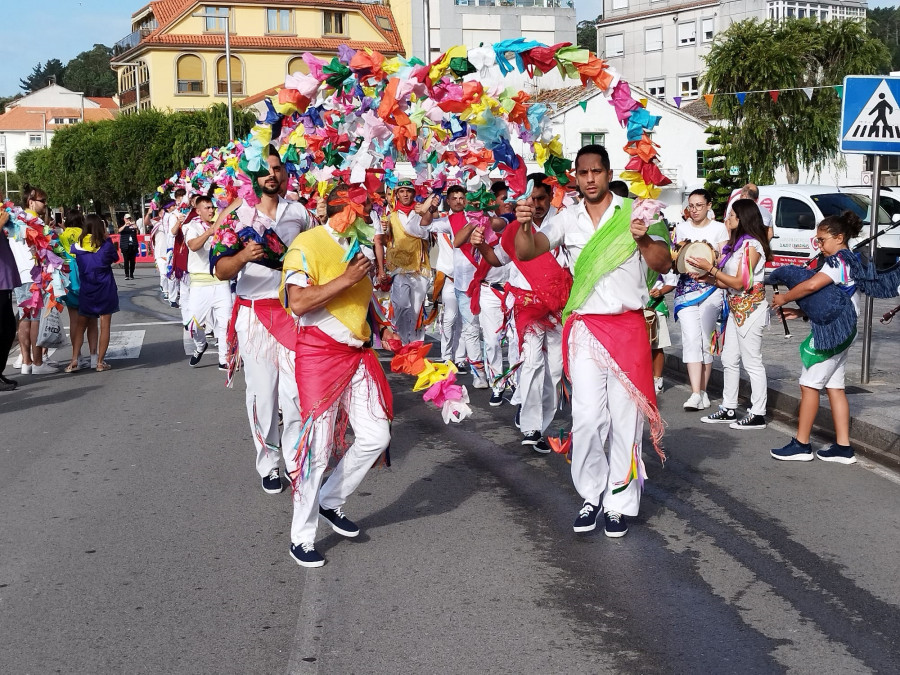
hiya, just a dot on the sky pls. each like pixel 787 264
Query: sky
pixel 74 26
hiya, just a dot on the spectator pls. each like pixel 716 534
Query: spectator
pixel 99 298
pixel 77 323
pixel 9 280
pixel 128 244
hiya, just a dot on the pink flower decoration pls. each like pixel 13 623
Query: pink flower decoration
pixel 445 390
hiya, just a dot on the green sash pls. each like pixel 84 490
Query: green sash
pixel 610 246
pixel 810 356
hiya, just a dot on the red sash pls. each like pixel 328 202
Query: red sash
pixel 457 222
pixel 272 316
pixel 324 368
pixel 550 283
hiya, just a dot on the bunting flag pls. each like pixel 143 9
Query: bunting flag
pixel 643 102
pixel 774 95
pixel 583 105
pixel 677 100
pixel 741 97
pixel 709 100
pixel 809 92
pixel 839 89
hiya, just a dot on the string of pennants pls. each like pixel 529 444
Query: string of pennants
pixel 773 94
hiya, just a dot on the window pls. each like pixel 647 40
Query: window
pixel 689 86
pixel 34 140
pixel 384 23
pixel 687 33
pixel 2 161
pixel 794 214
pixel 297 65
pixel 593 138
pixel 237 77
pixel 335 23
pixel 615 45
pixel 653 39
pixel 214 22
pixel 656 88
pixel 278 21
pixel 707 29
pixel 701 169
pixel 189 74
pixel 620 4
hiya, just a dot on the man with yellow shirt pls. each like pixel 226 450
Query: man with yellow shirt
pixel 327 281
pixel 407 259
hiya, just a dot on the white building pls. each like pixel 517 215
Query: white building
pixel 29 122
pixel 659 44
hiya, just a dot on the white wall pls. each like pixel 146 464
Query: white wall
pixel 53 97
pixel 16 142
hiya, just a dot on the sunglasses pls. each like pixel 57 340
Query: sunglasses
pixel 42 201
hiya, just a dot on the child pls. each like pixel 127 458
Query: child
pixel 660 339
pixel 740 271
pixel 832 235
pixel 95 254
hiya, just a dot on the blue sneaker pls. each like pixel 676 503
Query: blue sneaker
pixel 795 451
pixel 587 518
pixel 306 555
pixel 842 454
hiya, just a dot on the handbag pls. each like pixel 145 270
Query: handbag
pixel 50 333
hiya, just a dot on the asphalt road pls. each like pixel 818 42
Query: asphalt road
pixel 134 538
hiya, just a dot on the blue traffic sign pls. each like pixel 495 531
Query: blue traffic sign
pixel 870 115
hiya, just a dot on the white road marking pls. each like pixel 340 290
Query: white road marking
pixel 125 344
pixel 307 644
pixel 147 323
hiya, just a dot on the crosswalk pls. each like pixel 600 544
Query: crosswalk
pixel 124 344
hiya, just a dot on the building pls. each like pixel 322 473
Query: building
pixel 475 22
pixel 30 121
pixel 659 44
pixel 174 59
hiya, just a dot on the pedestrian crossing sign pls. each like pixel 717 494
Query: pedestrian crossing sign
pixel 870 115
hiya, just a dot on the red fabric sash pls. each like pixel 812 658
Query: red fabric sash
pixel 405 210
pixel 272 315
pixel 457 222
pixel 550 283
pixel 324 368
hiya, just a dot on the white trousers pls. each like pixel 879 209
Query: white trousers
pixel 211 306
pixel 491 321
pixel 452 349
pixel 746 349
pixel 538 377
pixel 161 268
pixel 470 331
pixel 697 325
pixel 184 298
pixel 407 297
pixel 269 374
pixel 371 432
pixel 601 410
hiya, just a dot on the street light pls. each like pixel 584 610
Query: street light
pixel 204 15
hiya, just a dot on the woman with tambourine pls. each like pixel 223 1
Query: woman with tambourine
pixel 740 270
pixel 697 303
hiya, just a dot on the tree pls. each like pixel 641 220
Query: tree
pixel 884 23
pixel 719 181
pixel 90 73
pixel 587 34
pixel 793 132
pixel 41 75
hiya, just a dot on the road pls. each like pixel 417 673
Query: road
pixel 134 538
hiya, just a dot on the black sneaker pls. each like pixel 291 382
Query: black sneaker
pixel 542 447
pixel 339 522
pixel 272 484
pixel 223 366
pixel 496 399
pixel 721 416
pixel 749 423
pixel 198 354
pixel 461 368
pixel 842 454
pixel 795 451
pixel 6 380
pixel 615 524
pixel 174 304
pixel 531 438
pixel 518 418
pixel 587 518
pixel 7 385
pixel 306 555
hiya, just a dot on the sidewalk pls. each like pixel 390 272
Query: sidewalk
pixel 874 407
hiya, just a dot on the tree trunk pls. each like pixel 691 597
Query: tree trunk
pixel 793 174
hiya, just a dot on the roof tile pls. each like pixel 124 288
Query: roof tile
pixel 22 119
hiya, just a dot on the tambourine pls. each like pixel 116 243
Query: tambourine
pixel 694 249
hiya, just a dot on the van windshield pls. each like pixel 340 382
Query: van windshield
pixel 835 203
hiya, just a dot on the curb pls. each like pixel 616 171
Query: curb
pixel 875 443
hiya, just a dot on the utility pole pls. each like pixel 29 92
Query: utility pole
pixel 205 15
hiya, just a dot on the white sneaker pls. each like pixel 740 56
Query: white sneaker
pixel 93 360
pixel 695 402
pixel 480 383
pixel 51 362
pixel 84 361
pixel 704 400
pixel 44 369
pixel 658 384
pixel 18 362
pixel 25 369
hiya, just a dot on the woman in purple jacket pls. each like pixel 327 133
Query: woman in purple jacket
pixel 9 279
pixel 95 254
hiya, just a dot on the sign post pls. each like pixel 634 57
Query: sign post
pixel 870 125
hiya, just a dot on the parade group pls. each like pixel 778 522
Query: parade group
pixel 304 248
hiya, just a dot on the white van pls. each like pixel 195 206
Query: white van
pixel 797 209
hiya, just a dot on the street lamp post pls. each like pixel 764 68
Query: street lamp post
pixel 205 15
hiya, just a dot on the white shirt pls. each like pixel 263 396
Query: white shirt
pixel 624 288
pixel 254 281
pixel 169 221
pixel 198 261
pixel 516 278
pixel 841 277
pixel 713 233
pixel 735 263
pixel 412 224
pixel 24 259
pixel 322 318
pixel 444 245
pixel 463 269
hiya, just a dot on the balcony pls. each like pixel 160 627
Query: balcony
pixel 130 41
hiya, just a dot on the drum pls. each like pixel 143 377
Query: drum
pixel 652 321
pixel 694 249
